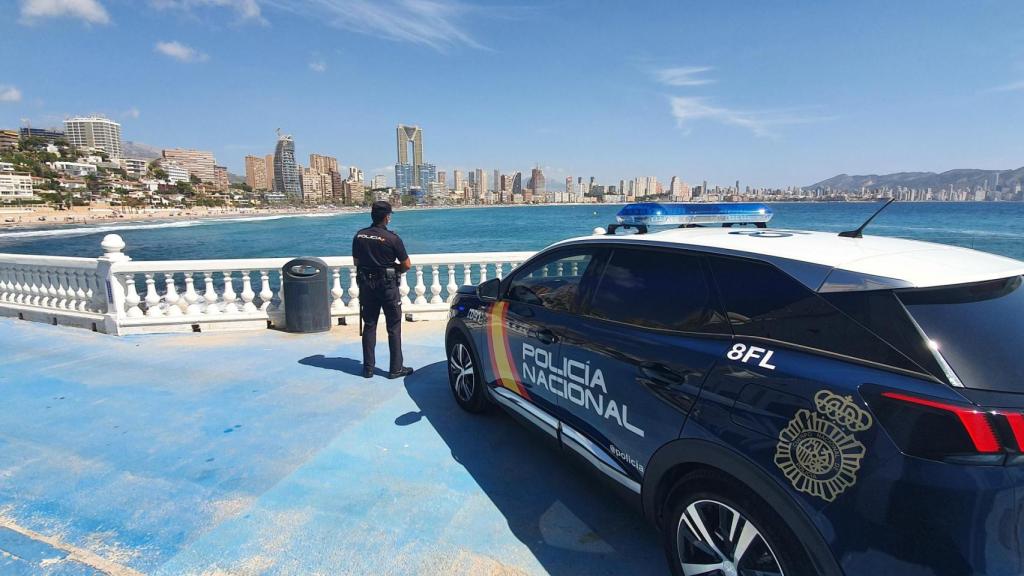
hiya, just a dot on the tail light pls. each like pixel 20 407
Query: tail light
pixel 950 432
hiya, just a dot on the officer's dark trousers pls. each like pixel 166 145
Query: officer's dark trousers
pixel 374 299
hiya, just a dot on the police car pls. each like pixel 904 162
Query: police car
pixel 775 401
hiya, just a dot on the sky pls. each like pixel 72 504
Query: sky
pixel 768 93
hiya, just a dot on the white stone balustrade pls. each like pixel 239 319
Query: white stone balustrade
pixel 117 295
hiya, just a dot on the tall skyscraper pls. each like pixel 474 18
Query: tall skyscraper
pixel 568 185
pixel 220 178
pixel 256 173
pixel 199 163
pixel 517 183
pixel 481 184
pixel 269 160
pixel 537 184
pixel 442 178
pixel 380 181
pixel 414 174
pixel 286 172
pixel 459 182
pixel 95 132
pixel 496 185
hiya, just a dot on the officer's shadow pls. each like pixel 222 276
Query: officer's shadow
pixel 346 365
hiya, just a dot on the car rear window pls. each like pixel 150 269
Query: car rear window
pixel 978 328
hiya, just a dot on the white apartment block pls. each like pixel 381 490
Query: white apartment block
pixel 15 187
pixel 136 167
pixel 94 132
pixel 175 172
pixel 76 169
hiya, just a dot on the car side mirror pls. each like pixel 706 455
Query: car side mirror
pixel 489 290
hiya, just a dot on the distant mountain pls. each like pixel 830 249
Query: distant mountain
pixel 235 178
pixel 139 150
pixel 961 178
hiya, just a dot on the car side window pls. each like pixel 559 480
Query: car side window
pixel 552 282
pixel 761 300
pixel 661 289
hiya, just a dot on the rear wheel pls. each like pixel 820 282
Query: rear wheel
pixel 718 527
pixel 464 375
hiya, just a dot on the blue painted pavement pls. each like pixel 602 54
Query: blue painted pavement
pixel 267 453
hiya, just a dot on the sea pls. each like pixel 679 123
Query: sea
pixel 989 226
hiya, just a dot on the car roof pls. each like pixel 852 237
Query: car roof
pixel 827 262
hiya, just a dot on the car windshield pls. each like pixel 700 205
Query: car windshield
pixel 978 328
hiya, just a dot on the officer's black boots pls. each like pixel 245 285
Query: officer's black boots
pixel 367 371
pixel 405 371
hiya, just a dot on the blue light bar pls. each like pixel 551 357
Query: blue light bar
pixel 678 214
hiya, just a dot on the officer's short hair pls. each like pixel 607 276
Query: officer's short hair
pixel 379 211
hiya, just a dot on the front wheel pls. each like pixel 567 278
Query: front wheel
pixel 464 376
pixel 718 527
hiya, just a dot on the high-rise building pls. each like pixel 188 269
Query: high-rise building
pixel 481 184
pixel 316 186
pixel 269 159
pixel 256 172
pixel 286 172
pixel 220 178
pixel 412 172
pixel 517 183
pixel 458 181
pixel 442 178
pixel 9 139
pixel 679 190
pixel 323 164
pixel 537 184
pixel 199 163
pixel 496 185
pixel 568 185
pixel 380 181
pixel 47 134
pixel 354 173
pixel 95 132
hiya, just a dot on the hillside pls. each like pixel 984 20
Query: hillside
pixel 958 179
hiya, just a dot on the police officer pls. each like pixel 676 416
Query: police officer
pixel 380 259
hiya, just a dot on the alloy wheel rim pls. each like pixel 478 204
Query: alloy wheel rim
pixel 460 362
pixel 714 539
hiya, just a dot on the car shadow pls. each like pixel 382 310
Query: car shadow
pixel 346 365
pixel 570 520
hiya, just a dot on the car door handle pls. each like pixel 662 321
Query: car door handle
pixel 660 374
pixel 545 336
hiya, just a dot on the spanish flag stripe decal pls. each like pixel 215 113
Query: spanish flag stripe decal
pixel 501 356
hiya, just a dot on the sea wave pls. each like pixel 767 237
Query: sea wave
pixel 110 228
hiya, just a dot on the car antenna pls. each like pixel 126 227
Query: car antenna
pixel 859 232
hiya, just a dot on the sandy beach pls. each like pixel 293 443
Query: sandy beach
pixel 12 219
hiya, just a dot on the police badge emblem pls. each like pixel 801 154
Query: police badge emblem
pixel 817 450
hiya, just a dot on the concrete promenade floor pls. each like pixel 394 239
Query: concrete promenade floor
pixel 266 453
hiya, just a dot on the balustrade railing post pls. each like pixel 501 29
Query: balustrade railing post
pixel 265 292
pixel 229 294
pixel 191 296
pixel 247 294
pixel 435 285
pixel 403 288
pixel 452 286
pixel 106 275
pixel 353 290
pixel 421 288
pixel 337 304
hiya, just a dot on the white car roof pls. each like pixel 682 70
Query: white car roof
pixel 827 262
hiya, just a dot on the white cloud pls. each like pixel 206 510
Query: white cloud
pixel 432 23
pixel 90 11
pixel 318 65
pixel 248 10
pixel 181 52
pixel 9 94
pixel 1017 86
pixel 687 110
pixel 683 76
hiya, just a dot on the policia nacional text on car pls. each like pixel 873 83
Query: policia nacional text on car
pixel 380 258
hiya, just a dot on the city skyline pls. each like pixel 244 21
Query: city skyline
pixel 774 97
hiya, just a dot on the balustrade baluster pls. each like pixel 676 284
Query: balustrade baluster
pixel 247 294
pixel 131 297
pixel 191 296
pixel 353 289
pixel 337 304
pixel 61 300
pixel 172 298
pixel 498 271
pixel 97 293
pixel 575 268
pixel 152 298
pixel 403 289
pixel 19 288
pixel 483 272
pixel 452 287
pixel 50 287
pixel 467 274
pixel 72 290
pixel 229 294
pixel 265 292
pixel 210 295
pixel 33 287
pixel 82 293
pixel 420 288
pixel 435 285
pixel 4 289
pixel 560 269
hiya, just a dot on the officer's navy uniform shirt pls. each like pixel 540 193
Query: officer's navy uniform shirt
pixel 377 247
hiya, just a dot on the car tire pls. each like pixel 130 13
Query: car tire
pixel 464 376
pixel 709 506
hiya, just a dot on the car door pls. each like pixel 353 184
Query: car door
pixel 652 332
pixel 525 327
